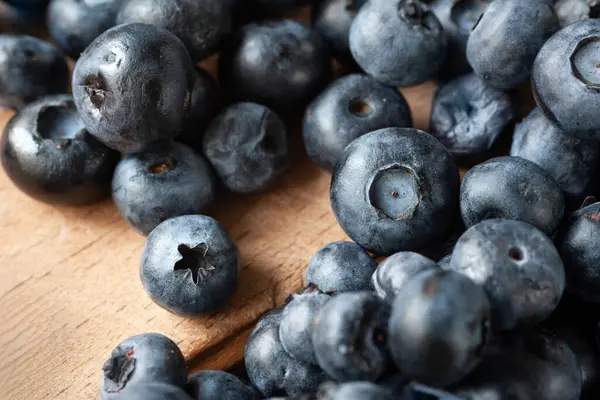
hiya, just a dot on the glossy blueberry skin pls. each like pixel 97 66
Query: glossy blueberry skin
pixel 296 326
pixel 521 190
pixel 359 390
pixel 350 107
pixel 398 42
pixel 132 86
pixel 190 265
pixel 569 11
pixel 247 146
pixel 349 337
pixel 156 391
pixel 74 24
pixel 270 369
pixel 25 65
pixel 151 187
pixel 396 271
pixel 439 327
pixel 502 46
pixel 219 385
pixel 399 171
pixel 569 100
pixel 141 360
pixel 48 154
pixel 580 253
pixel 517 265
pixel 568 160
pixel 278 63
pixel 468 115
pixel 199 24
pixel 341 267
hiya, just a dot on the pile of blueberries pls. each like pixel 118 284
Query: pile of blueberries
pixel 482 289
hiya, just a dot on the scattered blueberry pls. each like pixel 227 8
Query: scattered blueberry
pixel 569 11
pixel 221 385
pixel 359 390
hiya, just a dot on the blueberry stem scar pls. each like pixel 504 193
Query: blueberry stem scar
pixel 194 259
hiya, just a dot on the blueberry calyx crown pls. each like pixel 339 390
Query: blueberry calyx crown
pixel 194 259
pixel 118 369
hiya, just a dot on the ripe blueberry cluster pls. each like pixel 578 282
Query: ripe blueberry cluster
pixel 485 287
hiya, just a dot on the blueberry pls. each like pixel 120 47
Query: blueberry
pixel 156 391
pixel 349 337
pixel 468 115
pixel 360 390
pixel 350 107
pixel 296 326
pixel 271 369
pixel 48 154
pixel 439 327
pixel 190 265
pixel 521 190
pixel 398 42
pixel 278 63
pixel 518 267
pixel 219 385
pixel 74 24
pixel 200 24
pixel 568 160
pixel 395 189
pixel 341 267
pixel 149 358
pixel 151 187
pixel 565 79
pixel 569 11
pixel 132 86
pixel 504 42
pixel 247 146
pixel 396 271
pixel 25 65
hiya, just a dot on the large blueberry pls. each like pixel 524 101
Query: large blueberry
pixel 395 189
pixel 278 63
pixel 132 86
pixel 468 115
pixel 271 369
pixel 518 267
pixel 48 154
pixel 359 390
pixel 248 147
pixel 504 42
pixel 190 265
pixel 341 267
pixel 204 385
pixel 350 337
pixel 569 11
pixel 26 63
pixel 153 186
pixel 511 188
pixel 350 107
pixel 398 42
pixel 568 160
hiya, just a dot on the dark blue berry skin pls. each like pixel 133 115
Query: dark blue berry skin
pixel 468 115
pixel 395 189
pixel 48 154
pixel 141 360
pixel 502 46
pixel 74 24
pixel 151 187
pixel 278 63
pixel 132 86
pixel 221 385
pixel 564 81
pixel 200 25
pixel 580 253
pixel 396 271
pixel 25 65
pixel 349 337
pixel 444 263
pixel 247 146
pixel 190 265
pixel 270 369
pixel 398 42
pixel 521 190
pixel 359 390
pixel 350 107
pixel 156 391
pixel 569 11
pixel 297 323
pixel 439 327
pixel 341 267
pixel 517 265
pixel 568 160
pixel 417 391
